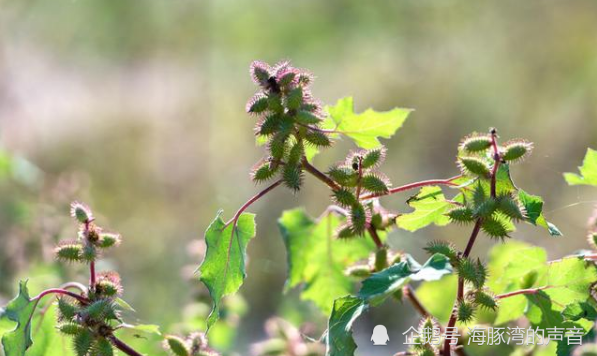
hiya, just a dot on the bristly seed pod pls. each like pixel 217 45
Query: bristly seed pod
pixel 495 228
pixel 70 328
pixel 318 138
pixel 107 240
pixel 474 165
pixel 263 172
pixel 344 232
pixel 306 118
pixel 516 150
pixel 292 177
pixel 358 219
pixel 260 72
pixel 82 342
pixel 375 183
pixel 294 99
pixel 176 345
pixel 465 312
pixel 344 176
pixel 257 104
pixel 344 197
pixel 461 215
pixel 486 208
pixel 81 212
pixel 476 143
pixel 69 251
pixel 510 207
pixel 485 300
pixel 373 158
pixel 443 247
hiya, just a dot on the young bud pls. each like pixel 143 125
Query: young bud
pixel 375 183
pixel 344 197
pixel 277 146
pixel 475 166
pixel 176 345
pixel 516 150
pixel 81 212
pixel 69 252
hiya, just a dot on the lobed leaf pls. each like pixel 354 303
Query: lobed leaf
pixel 223 269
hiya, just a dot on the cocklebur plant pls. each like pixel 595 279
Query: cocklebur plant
pixel 326 255
pixel 88 315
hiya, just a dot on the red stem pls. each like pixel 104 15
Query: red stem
pixel 319 175
pixel 375 237
pixel 61 291
pixel 122 346
pixel 252 200
pixel 410 186
pixel 471 241
pixel 522 291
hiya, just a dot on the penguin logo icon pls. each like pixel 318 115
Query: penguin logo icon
pixel 380 336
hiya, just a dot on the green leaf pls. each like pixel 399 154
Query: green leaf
pixel 430 207
pixel 588 171
pixel 339 341
pixel 366 128
pixel 223 269
pixel 19 310
pixel 533 205
pixel 388 281
pixel 317 259
pixel 438 296
pixel 48 340
pixel 581 310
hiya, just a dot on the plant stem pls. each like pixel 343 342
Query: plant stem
pixel 414 185
pixel 375 237
pixel 472 238
pixel 61 291
pixel 522 291
pixel 252 200
pixel 122 346
pixel 319 175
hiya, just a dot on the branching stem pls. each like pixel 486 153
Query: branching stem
pixel 522 291
pixel 449 182
pixel 251 201
pixel 319 175
pixel 122 346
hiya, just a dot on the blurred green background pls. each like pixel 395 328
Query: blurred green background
pixel 137 108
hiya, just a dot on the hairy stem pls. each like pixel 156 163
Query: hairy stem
pixel 122 346
pixel 319 175
pixel 414 185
